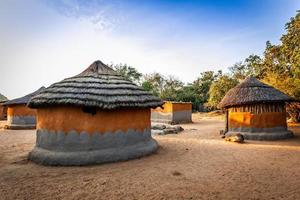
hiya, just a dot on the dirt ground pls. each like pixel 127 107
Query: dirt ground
pixel 195 164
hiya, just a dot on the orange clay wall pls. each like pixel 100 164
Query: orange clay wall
pixel 20 110
pixel 181 106
pixel 262 120
pixel 3 111
pixel 169 107
pixel 73 118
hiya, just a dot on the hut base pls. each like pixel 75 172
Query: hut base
pixel 48 157
pixel 264 135
pixel 179 117
pixel 20 127
pixel 171 122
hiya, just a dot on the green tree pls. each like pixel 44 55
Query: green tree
pixel 198 90
pixel 188 94
pixel 219 88
pixel 148 86
pixel 273 61
pixel 154 83
pixel 282 62
pixel 251 66
pixel 202 84
pixel 288 85
pixel 171 86
pixel 130 73
pixel 290 48
pixel 280 65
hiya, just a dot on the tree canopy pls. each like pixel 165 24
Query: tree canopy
pixel 279 66
pixel 282 62
pixel 219 88
pixel 128 72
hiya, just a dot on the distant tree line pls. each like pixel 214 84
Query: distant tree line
pixel 279 66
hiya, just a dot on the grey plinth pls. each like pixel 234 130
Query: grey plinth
pixel 172 118
pixel 20 127
pixel 21 122
pixel 58 148
pixel 276 133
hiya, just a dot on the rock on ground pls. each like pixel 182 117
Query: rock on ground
pixel 164 129
pixel 235 138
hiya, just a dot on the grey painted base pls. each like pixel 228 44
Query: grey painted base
pixel 20 127
pixel 48 157
pixel 182 117
pixel 161 117
pixel 25 120
pixel 172 118
pixel 19 123
pixel 58 148
pixel 264 135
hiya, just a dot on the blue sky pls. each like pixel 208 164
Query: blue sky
pixel 44 41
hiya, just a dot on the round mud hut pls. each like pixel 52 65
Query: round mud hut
pixel 95 117
pixel 256 110
pixel 19 116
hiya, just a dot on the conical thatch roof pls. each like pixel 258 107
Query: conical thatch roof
pixel 3 98
pixel 252 91
pixel 25 99
pixel 97 86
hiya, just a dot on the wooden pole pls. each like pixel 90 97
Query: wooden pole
pixel 226 121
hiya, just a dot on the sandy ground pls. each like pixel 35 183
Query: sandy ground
pixel 195 164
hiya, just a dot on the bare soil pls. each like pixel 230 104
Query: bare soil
pixel 195 164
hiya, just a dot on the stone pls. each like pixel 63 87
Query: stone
pixel 239 138
pixel 158 126
pixel 164 129
pixel 178 128
pixel 157 132
pixel 170 131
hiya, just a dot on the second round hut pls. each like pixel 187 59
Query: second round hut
pixel 19 116
pixel 256 110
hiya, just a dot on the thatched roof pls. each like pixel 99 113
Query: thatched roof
pixel 25 99
pixel 2 98
pixel 252 91
pixel 97 86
